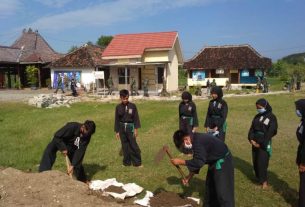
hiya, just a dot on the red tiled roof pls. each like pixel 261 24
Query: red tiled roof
pixel 85 56
pixel 136 44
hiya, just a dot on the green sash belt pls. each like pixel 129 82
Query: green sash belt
pixel 220 161
pixel 269 148
pixel 189 119
pixel 127 124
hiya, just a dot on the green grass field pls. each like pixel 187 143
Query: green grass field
pixel 25 132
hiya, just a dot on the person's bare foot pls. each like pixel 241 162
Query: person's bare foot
pixel 265 185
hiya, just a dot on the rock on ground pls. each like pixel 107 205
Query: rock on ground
pixel 50 188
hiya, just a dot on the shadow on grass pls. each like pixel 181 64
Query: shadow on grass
pixel 280 186
pixel 92 168
pixel 195 185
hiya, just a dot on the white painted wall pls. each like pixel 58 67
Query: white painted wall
pixel 87 76
pixel 172 71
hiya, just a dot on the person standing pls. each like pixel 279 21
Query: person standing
pixel 126 125
pixel 110 85
pixel 215 122
pixel 263 128
pixel 60 83
pixel 300 161
pixel 73 85
pixel 219 182
pixel 72 140
pixel 188 120
pixel 208 87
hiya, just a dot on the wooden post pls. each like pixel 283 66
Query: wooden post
pixel 39 78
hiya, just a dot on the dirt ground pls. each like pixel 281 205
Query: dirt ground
pixel 50 188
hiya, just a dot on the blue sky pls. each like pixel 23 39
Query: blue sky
pixel 275 28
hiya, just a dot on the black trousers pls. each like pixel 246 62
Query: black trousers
pixel 220 185
pixel 260 159
pixel 49 157
pixel 130 147
pixel 185 126
pixel 74 93
pixel 302 190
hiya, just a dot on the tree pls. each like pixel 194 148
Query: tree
pixel 32 75
pixel 104 41
pixel 72 48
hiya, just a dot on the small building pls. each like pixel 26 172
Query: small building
pixel 238 64
pixel 153 56
pixel 82 63
pixel 29 49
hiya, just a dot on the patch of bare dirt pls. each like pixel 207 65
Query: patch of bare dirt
pixel 164 198
pixel 50 188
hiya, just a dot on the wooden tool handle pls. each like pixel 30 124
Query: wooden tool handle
pixel 68 163
pixel 177 166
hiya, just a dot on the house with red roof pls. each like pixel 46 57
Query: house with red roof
pixel 153 56
pixel 241 65
pixel 81 63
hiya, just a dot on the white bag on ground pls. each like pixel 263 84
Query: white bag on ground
pixel 145 201
pixel 131 189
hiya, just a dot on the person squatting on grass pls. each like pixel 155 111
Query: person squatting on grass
pixel 72 140
pixel 300 111
pixel 263 128
pixel 214 152
pixel 126 127
pixel 215 122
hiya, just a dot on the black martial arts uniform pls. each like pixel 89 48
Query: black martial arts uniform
pixel 300 105
pixel 263 128
pixel 67 138
pixel 217 113
pixel 187 115
pixel 73 86
pixel 220 175
pixel 126 120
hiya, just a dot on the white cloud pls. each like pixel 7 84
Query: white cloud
pixel 110 12
pixel 54 3
pixel 9 7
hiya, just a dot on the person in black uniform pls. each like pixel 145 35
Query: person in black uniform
pixel 188 120
pixel 220 176
pixel 215 122
pixel 300 111
pixel 126 127
pixel 72 140
pixel 73 85
pixel 263 128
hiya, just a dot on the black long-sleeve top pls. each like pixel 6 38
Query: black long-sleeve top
pixel 206 150
pixel 217 114
pixel 265 123
pixel 126 114
pixel 70 135
pixel 189 110
pixel 301 148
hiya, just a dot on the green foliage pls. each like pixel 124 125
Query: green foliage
pixel 72 48
pixel 48 83
pixel 104 41
pixel 32 75
pixel 18 84
pixel 295 59
pixel 182 77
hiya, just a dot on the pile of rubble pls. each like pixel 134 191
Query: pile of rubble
pixel 52 100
